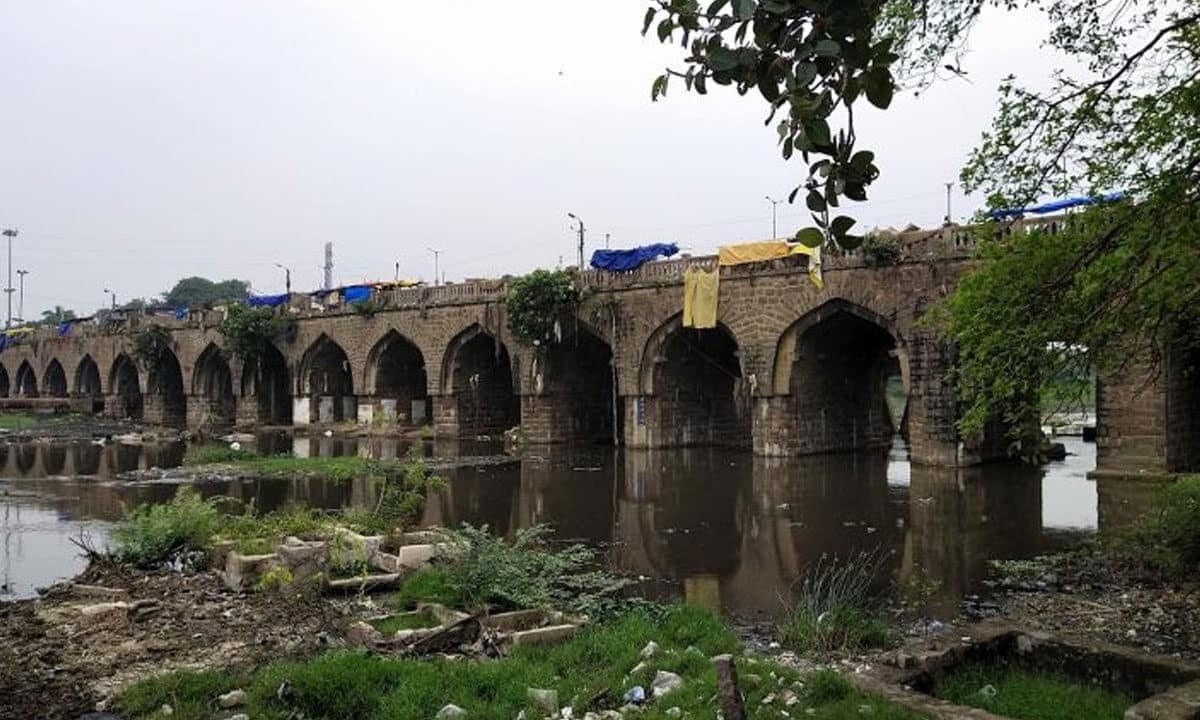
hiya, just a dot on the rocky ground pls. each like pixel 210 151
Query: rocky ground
pixel 64 652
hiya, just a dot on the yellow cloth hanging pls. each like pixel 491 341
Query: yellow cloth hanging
pixel 700 291
pixel 753 252
pixel 814 263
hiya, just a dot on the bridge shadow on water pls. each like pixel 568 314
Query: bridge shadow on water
pixel 717 526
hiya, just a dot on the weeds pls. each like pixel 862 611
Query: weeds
pixel 180 530
pixel 431 585
pixel 1168 537
pixel 484 570
pixel 1026 696
pixel 216 454
pixel 835 607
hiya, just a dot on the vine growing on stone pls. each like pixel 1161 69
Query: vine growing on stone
pixel 149 344
pixel 538 303
pixel 250 331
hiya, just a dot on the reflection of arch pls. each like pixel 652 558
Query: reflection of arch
pixel 478 374
pixel 26 458
pixel 266 379
pixel 126 387
pixel 830 378
pixel 580 370
pixel 212 380
pixel 695 377
pixel 54 459
pixel 396 371
pixel 26 381
pixel 325 376
pixel 54 382
pixel 4 386
pixel 165 385
pixel 86 457
pixel 87 383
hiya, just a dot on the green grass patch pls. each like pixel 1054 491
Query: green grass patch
pixel 431 585
pixel 350 685
pixel 1024 695
pixel 405 621
pixel 191 694
pixel 835 606
pixel 27 421
pixel 343 468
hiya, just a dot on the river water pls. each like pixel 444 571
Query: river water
pixel 718 527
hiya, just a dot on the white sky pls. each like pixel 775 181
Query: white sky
pixel 141 142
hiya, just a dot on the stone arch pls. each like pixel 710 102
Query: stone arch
pixel 267 380
pixel 5 387
pixel 26 458
pixel 54 459
pixel 126 388
pixel 86 458
pixel 829 381
pixel 576 379
pixel 477 375
pixel 87 383
pixel 327 379
pixel 166 399
pixel 212 383
pixel 692 382
pixel 54 380
pixel 26 386
pixel 395 372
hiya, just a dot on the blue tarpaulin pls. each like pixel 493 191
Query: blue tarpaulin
pixel 1055 206
pixel 64 328
pixel 181 313
pixel 632 259
pixel 267 300
pixel 357 293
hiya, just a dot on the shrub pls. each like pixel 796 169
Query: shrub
pixel 431 585
pixel 880 249
pixel 538 302
pixel 1169 535
pixel 835 607
pixel 402 496
pixel 149 344
pixel 249 332
pixel 485 570
pixel 155 535
pixel 256 534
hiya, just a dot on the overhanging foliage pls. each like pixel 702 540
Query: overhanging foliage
pixel 539 301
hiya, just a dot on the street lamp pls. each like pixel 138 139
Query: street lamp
pixel 9 233
pixel 774 206
pixel 114 298
pixel 582 230
pixel 436 253
pixel 21 301
pixel 287 278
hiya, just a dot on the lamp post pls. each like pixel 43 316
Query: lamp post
pixel 582 230
pixel 287 278
pixel 114 298
pixel 436 254
pixel 774 209
pixel 21 296
pixel 9 233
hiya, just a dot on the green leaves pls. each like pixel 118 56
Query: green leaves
pixel 539 301
pixel 879 87
pixel 744 9
pixel 811 237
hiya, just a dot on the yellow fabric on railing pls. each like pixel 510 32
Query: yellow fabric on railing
pixel 753 252
pixel 701 289
pixel 19 331
pixel 814 263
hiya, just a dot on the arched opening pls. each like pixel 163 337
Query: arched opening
pixel 327 380
pixel 126 388
pixel 212 382
pixel 579 388
pixel 698 394
pixel 266 379
pixel 86 457
pixel 87 384
pixel 481 382
pixel 396 377
pixel 54 382
pixel 26 381
pixel 4 386
pixel 26 458
pixel 54 459
pixel 839 381
pixel 165 394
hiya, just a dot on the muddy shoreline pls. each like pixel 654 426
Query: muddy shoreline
pixel 66 652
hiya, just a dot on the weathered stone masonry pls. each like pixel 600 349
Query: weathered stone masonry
pixel 791 370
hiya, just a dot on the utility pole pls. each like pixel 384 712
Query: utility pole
pixel 774 208
pixel 328 266
pixel 606 238
pixel 114 298
pixel 21 297
pixel 9 233
pixel 397 271
pixel 436 254
pixel 582 231
pixel 949 186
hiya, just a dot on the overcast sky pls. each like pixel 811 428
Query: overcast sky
pixel 141 142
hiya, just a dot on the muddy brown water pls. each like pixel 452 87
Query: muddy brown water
pixel 719 527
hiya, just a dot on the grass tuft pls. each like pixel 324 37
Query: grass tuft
pixel 836 608
pixel 1023 695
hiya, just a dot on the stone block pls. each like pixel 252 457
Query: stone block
pixel 544 636
pixel 366 413
pixel 243 572
pixel 304 559
pixel 325 409
pixel 301 411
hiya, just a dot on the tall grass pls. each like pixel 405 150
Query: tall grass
pixel 836 607
pixel 1014 693
pixel 152 535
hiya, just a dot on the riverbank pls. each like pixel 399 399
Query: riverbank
pixel 15 427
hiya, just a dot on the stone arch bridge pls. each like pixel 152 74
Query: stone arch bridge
pixel 790 370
